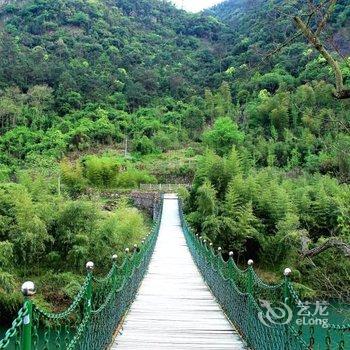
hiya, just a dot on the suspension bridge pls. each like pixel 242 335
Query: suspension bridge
pixel 173 291
pixel 174 308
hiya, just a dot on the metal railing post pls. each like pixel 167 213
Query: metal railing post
pixel 219 256
pixel 127 261
pixel 89 267
pixel 287 272
pixel 250 291
pixel 250 287
pixel 286 295
pixel 28 290
pixel 115 259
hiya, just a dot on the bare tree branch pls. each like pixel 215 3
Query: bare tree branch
pixel 326 17
pixel 332 242
pixel 341 92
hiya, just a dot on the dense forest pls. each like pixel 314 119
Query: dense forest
pixel 104 95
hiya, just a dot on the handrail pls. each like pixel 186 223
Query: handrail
pixel 99 302
pixel 239 295
pixel 91 319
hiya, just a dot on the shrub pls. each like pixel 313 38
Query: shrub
pixel 223 136
pixel 6 254
pixel 132 178
pixel 74 232
pixel 72 177
pixel 144 145
pixel 21 225
pixel 101 171
pixel 123 228
pixel 4 173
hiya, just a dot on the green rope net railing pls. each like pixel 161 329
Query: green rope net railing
pixel 242 294
pixel 13 336
pixel 92 318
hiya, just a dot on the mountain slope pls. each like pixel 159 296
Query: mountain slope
pixel 135 49
pixel 265 24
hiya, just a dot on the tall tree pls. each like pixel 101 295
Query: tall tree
pixel 323 11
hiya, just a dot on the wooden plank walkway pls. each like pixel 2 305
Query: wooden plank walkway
pixel 174 309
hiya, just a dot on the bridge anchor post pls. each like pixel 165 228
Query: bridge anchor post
pixel 28 290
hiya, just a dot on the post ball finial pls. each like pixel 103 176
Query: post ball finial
pixel 114 257
pixel 250 262
pixel 287 272
pixel 230 254
pixel 28 288
pixel 211 244
pixel 127 250
pixel 205 241
pixel 90 266
pixel 219 249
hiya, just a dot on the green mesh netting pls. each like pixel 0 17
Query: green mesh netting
pixel 240 292
pixel 93 317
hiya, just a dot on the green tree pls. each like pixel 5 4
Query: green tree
pixel 206 201
pixel 223 136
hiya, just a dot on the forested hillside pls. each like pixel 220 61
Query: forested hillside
pixel 104 95
pixel 125 52
pixel 73 71
pixel 270 200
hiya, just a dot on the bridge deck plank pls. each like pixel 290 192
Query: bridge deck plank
pixel 174 308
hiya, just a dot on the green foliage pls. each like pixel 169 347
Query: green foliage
pixel 116 91
pixel 74 232
pixel 142 78
pixel 58 288
pixel 219 170
pixel 110 64
pixel 48 237
pixel 101 171
pixel 206 200
pixel 4 173
pixel 144 145
pixel 132 178
pixel 72 177
pixel 223 136
pixel 123 228
pixel 6 254
pixel 184 194
pixel 22 225
pixel 263 214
